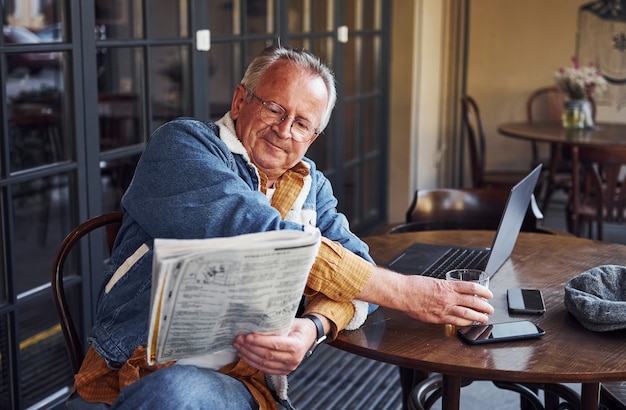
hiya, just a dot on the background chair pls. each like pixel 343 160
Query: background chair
pixel 482 178
pixel 111 222
pixel 470 208
pixel 545 104
pixel 597 195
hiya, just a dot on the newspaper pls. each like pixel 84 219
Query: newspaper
pixel 207 291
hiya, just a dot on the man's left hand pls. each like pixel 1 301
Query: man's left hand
pixel 277 354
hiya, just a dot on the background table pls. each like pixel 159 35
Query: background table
pixel 568 353
pixel 601 134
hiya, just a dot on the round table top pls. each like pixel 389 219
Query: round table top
pixel 567 353
pixel 612 134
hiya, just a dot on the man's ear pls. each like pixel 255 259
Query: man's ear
pixel 239 100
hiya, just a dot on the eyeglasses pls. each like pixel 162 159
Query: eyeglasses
pixel 273 114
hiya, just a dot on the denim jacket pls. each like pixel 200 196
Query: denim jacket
pixel 191 183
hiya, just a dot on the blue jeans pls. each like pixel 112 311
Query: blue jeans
pixel 178 387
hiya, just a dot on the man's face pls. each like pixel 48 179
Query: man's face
pixel 271 147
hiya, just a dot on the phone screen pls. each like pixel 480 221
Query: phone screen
pixel 525 301
pixel 500 332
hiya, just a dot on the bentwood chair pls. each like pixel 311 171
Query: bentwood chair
pixel 597 195
pixel 545 104
pixel 481 177
pixel 464 208
pixel 111 223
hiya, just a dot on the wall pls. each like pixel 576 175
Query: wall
pixel 402 110
pixel 414 101
pixel 515 47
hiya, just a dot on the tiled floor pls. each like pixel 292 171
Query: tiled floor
pixel 334 379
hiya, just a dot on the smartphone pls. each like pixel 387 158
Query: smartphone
pixel 525 301
pixel 499 332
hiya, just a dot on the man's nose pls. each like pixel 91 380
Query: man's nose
pixel 284 128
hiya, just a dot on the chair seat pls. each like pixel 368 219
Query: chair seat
pixel 587 212
pixel 502 179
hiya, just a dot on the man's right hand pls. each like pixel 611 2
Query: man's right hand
pixel 427 299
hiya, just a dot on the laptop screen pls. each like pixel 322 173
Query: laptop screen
pixel 511 221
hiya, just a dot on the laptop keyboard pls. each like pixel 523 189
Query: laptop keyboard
pixel 458 259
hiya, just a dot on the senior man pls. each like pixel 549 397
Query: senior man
pixel 245 173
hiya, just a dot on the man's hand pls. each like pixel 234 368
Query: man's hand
pixel 277 354
pixel 429 300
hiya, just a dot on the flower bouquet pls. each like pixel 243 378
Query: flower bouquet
pixel 579 83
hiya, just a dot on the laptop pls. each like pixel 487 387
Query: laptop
pixel 435 260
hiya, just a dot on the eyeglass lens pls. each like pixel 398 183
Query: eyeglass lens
pixel 273 114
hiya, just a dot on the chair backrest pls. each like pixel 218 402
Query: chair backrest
pixel 476 138
pixel 472 208
pixel 546 104
pixel 597 171
pixel 111 222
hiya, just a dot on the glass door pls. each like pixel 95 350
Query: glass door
pixel 84 83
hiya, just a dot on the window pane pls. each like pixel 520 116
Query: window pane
pixel 41 220
pixel 371 189
pixel 372 15
pixel 119 19
pixel 5 368
pixel 364 14
pixel 259 16
pixel 37 113
pixel 171 87
pixel 31 22
pixel 168 19
pixel 349 204
pixel 314 16
pixel 4 250
pixel 321 152
pixel 354 14
pixel 371 73
pixel 38 126
pixel 323 15
pixel 17 35
pixel 116 176
pixel 224 75
pixel 353 60
pixel 370 129
pixel 226 68
pixel 222 17
pixel 350 141
pixel 120 97
pixel 45 365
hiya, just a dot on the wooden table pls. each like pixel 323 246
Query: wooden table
pixel 568 353
pixel 601 134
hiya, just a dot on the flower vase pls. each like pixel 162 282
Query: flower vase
pixel 587 110
pixel 574 115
